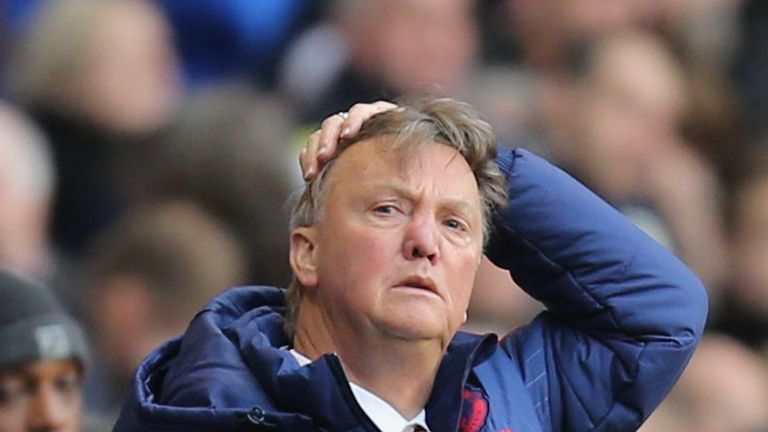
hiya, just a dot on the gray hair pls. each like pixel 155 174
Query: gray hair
pixel 25 154
pixel 420 122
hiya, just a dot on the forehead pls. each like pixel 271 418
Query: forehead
pixel 382 158
pixel 42 370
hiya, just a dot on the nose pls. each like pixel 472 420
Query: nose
pixel 48 411
pixel 422 240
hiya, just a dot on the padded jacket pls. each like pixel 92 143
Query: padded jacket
pixel 623 316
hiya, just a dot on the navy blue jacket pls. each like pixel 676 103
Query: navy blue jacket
pixel 623 318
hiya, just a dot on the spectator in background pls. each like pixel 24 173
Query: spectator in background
pixel 43 356
pixel 543 34
pixel 148 274
pixel 724 388
pixel 228 153
pixel 393 47
pixel 744 314
pixel 620 134
pixel 27 183
pixel 543 37
pixel 96 75
pixel 107 62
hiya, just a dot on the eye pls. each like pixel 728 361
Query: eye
pixel 12 392
pixel 385 209
pixel 68 383
pixel 455 224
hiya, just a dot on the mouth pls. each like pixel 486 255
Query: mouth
pixel 418 283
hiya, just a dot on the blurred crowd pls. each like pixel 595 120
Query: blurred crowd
pixel 148 150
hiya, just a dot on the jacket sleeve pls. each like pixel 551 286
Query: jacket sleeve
pixel 623 314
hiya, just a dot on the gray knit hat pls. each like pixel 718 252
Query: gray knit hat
pixel 34 325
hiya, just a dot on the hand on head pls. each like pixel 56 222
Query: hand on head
pixel 322 144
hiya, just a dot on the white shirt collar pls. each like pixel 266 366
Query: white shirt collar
pixel 381 413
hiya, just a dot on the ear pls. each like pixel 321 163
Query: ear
pixel 303 255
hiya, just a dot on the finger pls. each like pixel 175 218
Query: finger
pixel 330 132
pixel 384 105
pixel 322 144
pixel 360 113
pixel 308 156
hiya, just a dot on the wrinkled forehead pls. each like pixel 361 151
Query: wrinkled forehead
pixel 408 153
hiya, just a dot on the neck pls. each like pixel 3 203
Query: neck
pixel 401 372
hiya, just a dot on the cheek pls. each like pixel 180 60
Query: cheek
pixel 462 278
pixel 357 256
pixel 11 419
pixel 76 412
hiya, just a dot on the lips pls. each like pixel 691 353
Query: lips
pixel 418 282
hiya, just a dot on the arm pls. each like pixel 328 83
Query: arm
pixel 624 315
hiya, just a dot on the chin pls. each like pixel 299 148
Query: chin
pixel 414 326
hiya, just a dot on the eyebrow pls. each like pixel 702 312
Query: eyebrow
pixel 462 206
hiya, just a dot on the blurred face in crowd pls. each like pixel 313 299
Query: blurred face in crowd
pixel 415 43
pixel 398 242
pixel 41 396
pixel 629 106
pixel 129 80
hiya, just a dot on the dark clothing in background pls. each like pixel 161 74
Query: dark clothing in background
pixel 87 196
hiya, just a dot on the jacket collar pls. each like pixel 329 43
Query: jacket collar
pixel 464 351
pixel 320 390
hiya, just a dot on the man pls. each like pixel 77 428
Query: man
pixel 385 243
pixel 42 356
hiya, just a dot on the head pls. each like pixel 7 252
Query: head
pixel 109 62
pixel 152 271
pixel 389 234
pixel 411 44
pixel 628 101
pixel 225 153
pixel 27 182
pixel 42 358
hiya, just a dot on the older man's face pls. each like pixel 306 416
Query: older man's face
pixel 399 241
pixel 41 396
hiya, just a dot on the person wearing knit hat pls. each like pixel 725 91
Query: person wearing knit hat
pixel 43 354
